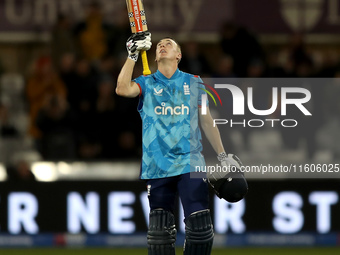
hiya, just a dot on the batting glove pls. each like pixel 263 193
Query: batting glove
pixel 230 159
pixel 136 43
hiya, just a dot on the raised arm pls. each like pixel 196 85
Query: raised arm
pixel 137 42
pixel 126 87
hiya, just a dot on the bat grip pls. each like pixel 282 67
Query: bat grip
pixel 146 69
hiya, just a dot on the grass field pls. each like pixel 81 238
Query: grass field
pixel 231 251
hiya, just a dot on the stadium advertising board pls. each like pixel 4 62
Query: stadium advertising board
pixel 286 16
pixel 40 15
pixel 281 207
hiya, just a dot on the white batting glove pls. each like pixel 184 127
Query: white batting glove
pixel 230 159
pixel 136 43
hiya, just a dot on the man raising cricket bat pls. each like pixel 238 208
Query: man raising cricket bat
pixel 170 106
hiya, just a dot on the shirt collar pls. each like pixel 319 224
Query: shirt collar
pixel 174 76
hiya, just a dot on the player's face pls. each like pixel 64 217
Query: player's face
pixel 167 49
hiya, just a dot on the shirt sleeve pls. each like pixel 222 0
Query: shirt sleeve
pixel 141 84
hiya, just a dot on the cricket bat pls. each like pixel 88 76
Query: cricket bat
pixel 138 24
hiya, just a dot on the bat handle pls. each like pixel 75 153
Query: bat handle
pixel 146 69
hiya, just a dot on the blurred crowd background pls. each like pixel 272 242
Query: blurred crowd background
pixel 61 102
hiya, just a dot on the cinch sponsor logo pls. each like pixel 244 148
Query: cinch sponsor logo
pixel 169 110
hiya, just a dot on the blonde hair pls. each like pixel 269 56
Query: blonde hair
pixel 179 49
